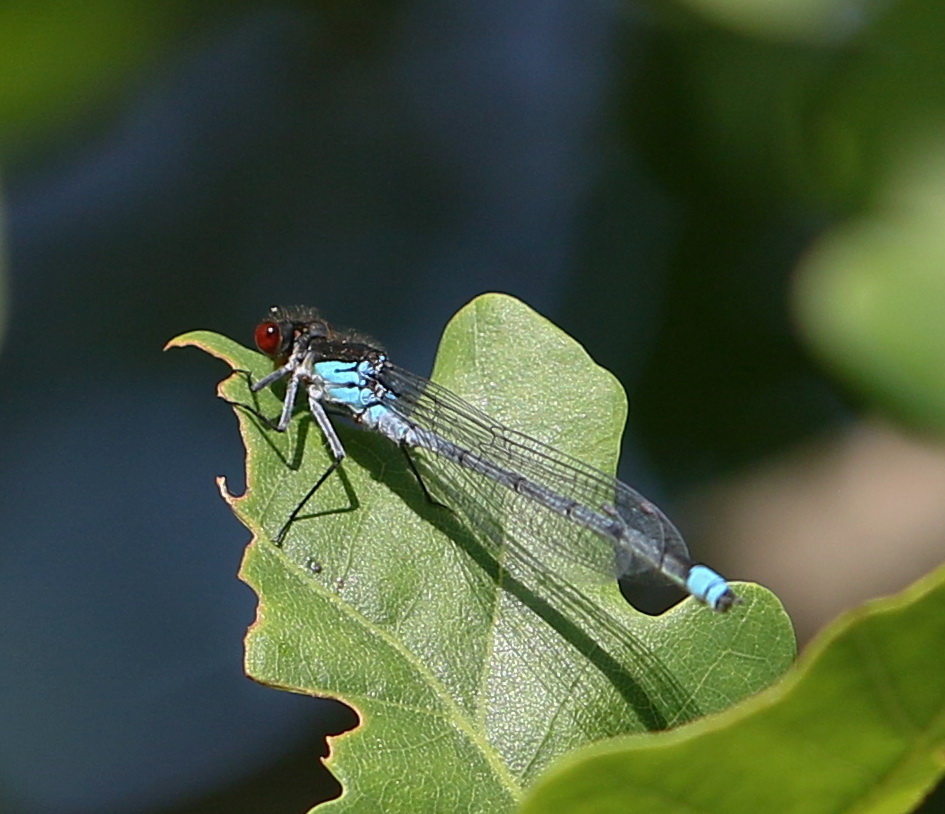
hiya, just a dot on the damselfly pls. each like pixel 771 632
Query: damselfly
pixel 556 499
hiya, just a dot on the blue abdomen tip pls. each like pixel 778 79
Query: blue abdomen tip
pixel 710 587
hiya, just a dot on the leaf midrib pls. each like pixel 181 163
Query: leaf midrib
pixel 453 712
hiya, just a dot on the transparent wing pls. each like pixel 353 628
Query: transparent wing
pixel 508 518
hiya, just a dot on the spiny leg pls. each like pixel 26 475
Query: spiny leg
pixel 253 411
pixel 281 424
pixel 280 536
pixel 423 487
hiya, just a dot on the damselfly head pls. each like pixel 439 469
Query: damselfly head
pixel 274 336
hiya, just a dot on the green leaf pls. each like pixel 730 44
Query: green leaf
pixel 871 294
pixel 469 673
pixel 857 725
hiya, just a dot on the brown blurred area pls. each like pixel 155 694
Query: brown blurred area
pixel 848 517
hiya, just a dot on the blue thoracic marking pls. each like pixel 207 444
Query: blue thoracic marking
pixel 340 374
pixel 337 372
pixel 509 486
pixel 344 383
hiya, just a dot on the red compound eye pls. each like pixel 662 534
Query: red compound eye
pixel 268 338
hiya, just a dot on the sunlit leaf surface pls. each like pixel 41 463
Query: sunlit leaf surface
pixel 469 673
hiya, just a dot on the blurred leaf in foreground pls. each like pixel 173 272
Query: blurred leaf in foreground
pixel 469 673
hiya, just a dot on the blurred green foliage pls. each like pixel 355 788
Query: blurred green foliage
pixel 871 295
pixel 771 145
pixel 810 21
pixel 59 59
pixel 871 292
pixel 3 272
